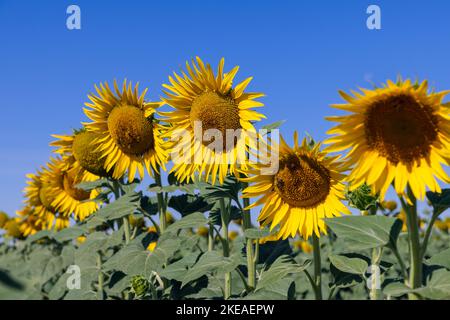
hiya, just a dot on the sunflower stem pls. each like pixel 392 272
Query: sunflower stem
pixel 415 273
pixel 247 224
pixel 317 267
pixel 226 245
pixel 126 229
pixel 210 237
pixel 161 204
pixel 100 277
pixel 428 234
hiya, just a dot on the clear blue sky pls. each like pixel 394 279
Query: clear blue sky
pixel 299 52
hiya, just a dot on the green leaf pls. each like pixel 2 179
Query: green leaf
pixel 438 287
pixel 365 232
pixel 122 207
pixel 278 290
pixel 135 259
pixel 91 185
pixel 396 289
pixel 178 269
pixel 349 265
pixel 254 233
pixel 215 215
pixel 69 234
pixel 186 204
pixel 149 205
pixel 39 235
pixel 439 201
pixel 209 262
pixel 193 220
pixel 229 189
pixel 441 259
pixel 283 266
pixel 130 187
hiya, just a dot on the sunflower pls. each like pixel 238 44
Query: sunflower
pixel 39 199
pixel 3 218
pixel 204 102
pixel 62 179
pixel 79 147
pixel 12 228
pixel 30 223
pixel 128 137
pixel 303 246
pixel 306 189
pixel 399 133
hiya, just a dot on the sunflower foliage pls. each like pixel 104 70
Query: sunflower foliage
pixel 318 228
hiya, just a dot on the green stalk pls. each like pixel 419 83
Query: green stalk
pixel 226 246
pixel 126 229
pixel 317 267
pixel 161 204
pixel 100 277
pixel 428 234
pixel 210 237
pixel 400 261
pixel 126 225
pixel 247 224
pixel 415 274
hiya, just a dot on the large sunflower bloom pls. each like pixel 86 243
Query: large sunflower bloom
pixel 306 189
pixel 129 139
pixel 62 180
pixel 399 134
pixel 79 147
pixel 202 98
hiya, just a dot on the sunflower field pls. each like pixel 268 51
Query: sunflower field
pixel 147 200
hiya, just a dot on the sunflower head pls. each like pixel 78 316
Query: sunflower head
pixel 30 224
pixel 88 158
pixel 131 130
pixel 303 246
pixel 127 137
pixel 140 285
pixel 12 228
pixel 302 181
pixel 208 103
pixel 39 197
pixel 306 189
pixel 397 133
pixel 61 181
pixel 233 235
pixel 390 205
pixel 79 148
pixel 203 231
pixel 3 219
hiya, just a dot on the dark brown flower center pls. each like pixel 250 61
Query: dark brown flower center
pixel 401 129
pixel 302 181
pixel 69 183
pixel 216 112
pixel 131 130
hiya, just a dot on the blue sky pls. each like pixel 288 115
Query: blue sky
pixel 299 52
